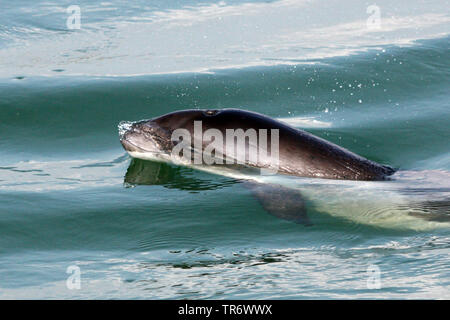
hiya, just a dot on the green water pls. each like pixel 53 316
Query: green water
pixel 71 196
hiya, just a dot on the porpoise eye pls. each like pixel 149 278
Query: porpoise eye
pixel 211 112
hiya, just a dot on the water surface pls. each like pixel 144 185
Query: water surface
pixel 71 196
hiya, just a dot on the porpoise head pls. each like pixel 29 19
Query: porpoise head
pixel 144 136
pixel 154 135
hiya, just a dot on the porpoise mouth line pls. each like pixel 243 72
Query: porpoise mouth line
pixel 141 149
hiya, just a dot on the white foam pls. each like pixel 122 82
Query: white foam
pixel 305 122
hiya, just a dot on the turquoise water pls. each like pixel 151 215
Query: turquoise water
pixel 71 196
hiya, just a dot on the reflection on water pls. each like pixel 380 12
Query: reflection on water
pixel 142 172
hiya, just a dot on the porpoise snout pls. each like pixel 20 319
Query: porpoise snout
pixel 142 136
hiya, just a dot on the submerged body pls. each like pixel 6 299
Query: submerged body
pixel 352 187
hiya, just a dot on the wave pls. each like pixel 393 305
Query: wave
pixel 117 38
pixel 378 98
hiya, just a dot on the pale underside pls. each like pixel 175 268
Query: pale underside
pixel 385 204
